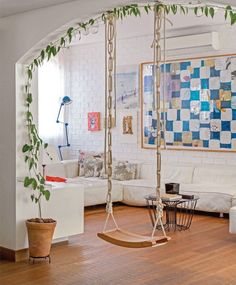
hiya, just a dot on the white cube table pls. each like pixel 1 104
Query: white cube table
pixel 66 206
pixel 232 220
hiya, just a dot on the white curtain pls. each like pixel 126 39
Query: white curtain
pixel 50 94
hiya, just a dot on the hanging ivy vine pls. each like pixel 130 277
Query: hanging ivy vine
pixel 31 150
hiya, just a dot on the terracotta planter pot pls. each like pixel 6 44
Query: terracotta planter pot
pixel 40 238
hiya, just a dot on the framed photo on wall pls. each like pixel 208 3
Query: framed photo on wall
pixel 94 121
pixel 198 101
pixel 127 95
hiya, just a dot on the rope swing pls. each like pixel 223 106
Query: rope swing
pixel 118 236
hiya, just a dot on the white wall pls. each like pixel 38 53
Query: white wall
pixel 19 34
pixel 84 65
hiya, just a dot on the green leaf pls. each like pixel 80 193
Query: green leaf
pixel 229 8
pixel 147 8
pixel 47 195
pixel 212 12
pixel 41 189
pixel 45 145
pixel 182 9
pixel 42 180
pixel 31 163
pixel 48 48
pixel 69 33
pixel 70 30
pixel 138 12
pixel 233 18
pixel 53 50
pixel 25 148
pixel 29 115
pixel 36 62
pixel 167 8
pixel 27 181
pixel 32 197
pixel 62 42
pixel 29 98
pixel 26 88
pixel 226 14
pixel 42 54
pixel 29 73
pixel 173 9
pixel 91 22
pixel 34 183
pixel 103 17
pixel 206 10
pixel 195 10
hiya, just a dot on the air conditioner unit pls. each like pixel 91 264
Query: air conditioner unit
pixel 210 39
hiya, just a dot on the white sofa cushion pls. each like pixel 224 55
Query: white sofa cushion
pixel 213 198
pixel 95 190
pixel 217 175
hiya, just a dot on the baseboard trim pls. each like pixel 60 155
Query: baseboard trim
pixel 23 254
pixel 13 255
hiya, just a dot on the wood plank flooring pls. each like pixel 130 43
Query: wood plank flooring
pixel 205 254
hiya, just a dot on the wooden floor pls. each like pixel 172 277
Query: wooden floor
pixel 205 254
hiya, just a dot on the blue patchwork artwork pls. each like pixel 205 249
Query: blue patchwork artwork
pixel 198 102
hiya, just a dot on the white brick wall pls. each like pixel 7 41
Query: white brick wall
pixel 85 84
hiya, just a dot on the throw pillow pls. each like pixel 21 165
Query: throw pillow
pixel 93 167
pixel 123 170
pixel 103 175
pixel 83 155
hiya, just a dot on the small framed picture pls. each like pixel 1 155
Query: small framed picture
pixel 94 121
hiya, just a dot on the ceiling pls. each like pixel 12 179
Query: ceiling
pixel 11 7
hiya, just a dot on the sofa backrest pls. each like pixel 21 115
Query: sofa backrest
pixel 169 173
pixel 71 168
pixel 177 173
pixel 214 174
pixel 55 169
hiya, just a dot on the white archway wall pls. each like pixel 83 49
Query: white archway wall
pixel 19 33
pixel 85 84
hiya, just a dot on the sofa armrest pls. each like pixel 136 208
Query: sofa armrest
pixel 71 168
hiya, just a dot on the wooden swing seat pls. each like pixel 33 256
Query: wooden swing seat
pixel 127 239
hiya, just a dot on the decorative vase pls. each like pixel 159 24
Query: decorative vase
pixel 40 233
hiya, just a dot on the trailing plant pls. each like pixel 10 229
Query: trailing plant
pixel 31 150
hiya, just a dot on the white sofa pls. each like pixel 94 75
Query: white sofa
pixel 95 189
pixel 214 184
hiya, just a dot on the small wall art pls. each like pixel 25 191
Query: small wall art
pixel 94 121
pixel 127 89
pixel 127 125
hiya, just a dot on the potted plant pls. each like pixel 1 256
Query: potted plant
pixel 40 230
pixel 40 233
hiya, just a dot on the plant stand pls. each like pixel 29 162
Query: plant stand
pixel 32 259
